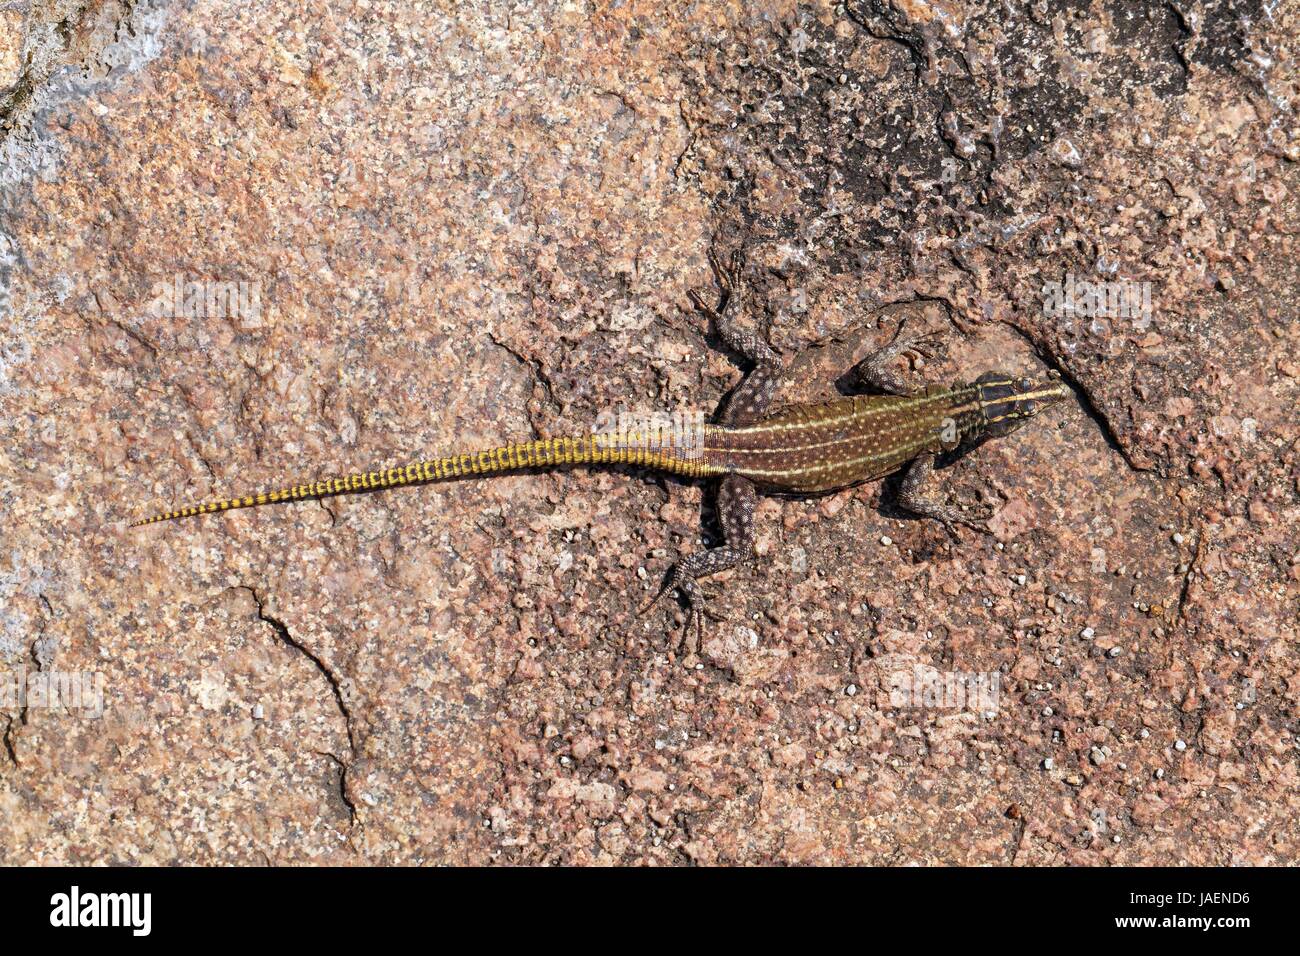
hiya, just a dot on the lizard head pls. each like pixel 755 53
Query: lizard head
pixel 1006 401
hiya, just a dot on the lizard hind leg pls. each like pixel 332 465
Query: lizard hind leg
pixel 737 500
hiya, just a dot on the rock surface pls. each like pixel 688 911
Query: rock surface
pixel 419 225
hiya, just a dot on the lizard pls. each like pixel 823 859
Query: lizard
pixel 756 446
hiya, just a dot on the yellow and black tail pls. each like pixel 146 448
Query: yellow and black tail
pixel 597 448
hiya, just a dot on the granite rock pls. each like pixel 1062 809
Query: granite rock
pixel 244 244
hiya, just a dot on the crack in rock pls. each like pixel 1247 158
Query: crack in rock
pixel 286 637
pixel 1084 395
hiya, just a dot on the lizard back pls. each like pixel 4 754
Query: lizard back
pixel 823 447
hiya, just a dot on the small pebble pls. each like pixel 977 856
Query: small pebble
pixel 1087 633
pixel 1048 763
pixel 1180 745
pixel 1114 652
pixel 886 540
pixel 1160 773
pixel 851 689
pixel 1047 712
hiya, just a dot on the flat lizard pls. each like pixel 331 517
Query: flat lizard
pixel 755 446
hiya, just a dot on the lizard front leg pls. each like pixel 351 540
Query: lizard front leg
pixel 813 375
pixel 914 496
pixel 874 370
pixel 737 499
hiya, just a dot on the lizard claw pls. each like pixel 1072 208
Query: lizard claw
pixel 694 615
pixel 950 517
pixel 667 586
pixel 955 517
pixel 926 345
pixel 728 273
pixel 697 609
pixel 980 520
pixel 977 524
pixel 697 300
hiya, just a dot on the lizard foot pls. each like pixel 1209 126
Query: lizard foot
pixel 697 610
pixel 728 274
pixel 950 516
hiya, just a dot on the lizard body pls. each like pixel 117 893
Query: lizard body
pixel 803 448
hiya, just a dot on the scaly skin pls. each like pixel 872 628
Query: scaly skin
pixel 796 449
pixel 818 448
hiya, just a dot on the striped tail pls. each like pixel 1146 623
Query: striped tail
pixel 649 450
